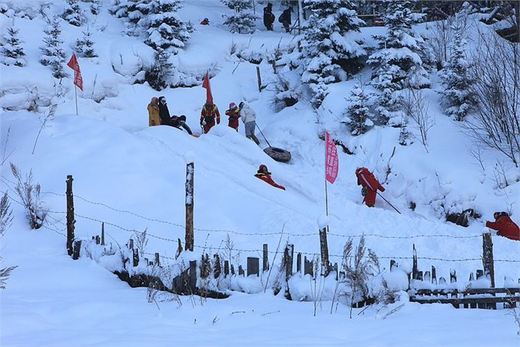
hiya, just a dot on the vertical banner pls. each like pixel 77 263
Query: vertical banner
pixel 331 159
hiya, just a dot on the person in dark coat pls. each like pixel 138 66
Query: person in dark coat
pixel 164 113
pixel 268 17
pixel 505 226
pixel 370 185
pixel 285 19
pixel 264 174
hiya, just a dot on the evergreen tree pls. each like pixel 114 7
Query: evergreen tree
pixel 242 20
pixel 358 115
pixel 85 46
pixel 119 8
pixel 72 13
pixel 138 10
pixel 458 97
pixel 53 54
pixel 327 47
pixel 400 60
pixel 159 75
pixel 95 7
pixel 12 49
pixel 165 29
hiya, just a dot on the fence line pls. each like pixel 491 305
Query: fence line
pixel 57 221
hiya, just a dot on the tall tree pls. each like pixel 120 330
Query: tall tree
pixel 165 29
pixel 459 97
pixel 85 46
pixel 358 115
pixel 242 20
pixel 159 75
pixel 399 61
pixel 327 46
pixel 53 54
pixel 12 49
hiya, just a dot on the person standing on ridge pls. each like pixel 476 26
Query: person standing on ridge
pixel 370 185
pixel 268 17
pixel 285 19
pixel 153 112
pixel 248 116
pixel 234 114
pixel 209 116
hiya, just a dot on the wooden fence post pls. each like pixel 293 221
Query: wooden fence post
pixel 217 269
pixel 487 258
pixel 307 267
pixel 299 263
pixel 77 249
pixel 324 248
pixel 434 275
pixel 453 276
pixel 253 266
pixel 135 257
pixel 189 240
pixel 70 215
pixel 265 258
pixel 157 259
pixel 288 260
pixel 226 268
pixel 414 264
pixel 259 79
pixel 102 233
pixel 193 275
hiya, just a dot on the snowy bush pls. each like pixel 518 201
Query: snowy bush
pixel 72 13
pixel 29 194
pixel 164 27
pixel 288 90
pixel 242 20
pixel 158 76
pixel 327 47
pixel 358 115
pixel 53 54
pixel 6 215
pixel 12 49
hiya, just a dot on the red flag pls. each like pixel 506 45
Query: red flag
pixel 331 159
pixel 74 65
pixel 205 84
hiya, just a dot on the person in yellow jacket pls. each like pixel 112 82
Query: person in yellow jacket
pixel 153 112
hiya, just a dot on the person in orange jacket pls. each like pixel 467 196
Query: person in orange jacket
pixel 234 114
pixel 208 116
pixel 370 185
pixel 505 226
pixel 264 174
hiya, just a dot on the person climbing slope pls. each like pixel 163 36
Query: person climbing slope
pixel 248 116
pixel 264 174
pixel 234 114
pixel 370 186
pixel 209 116
pixel 505 226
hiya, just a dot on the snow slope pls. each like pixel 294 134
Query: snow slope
pixel 117 160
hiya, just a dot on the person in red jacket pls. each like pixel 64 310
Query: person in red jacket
pixel 505 226
pixel 234 115
pixel 208 116
pixel 265 176
pixel 370 185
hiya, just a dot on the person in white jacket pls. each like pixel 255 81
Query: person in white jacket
pixel 248 116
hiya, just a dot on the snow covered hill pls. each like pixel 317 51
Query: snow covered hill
pixel 124 170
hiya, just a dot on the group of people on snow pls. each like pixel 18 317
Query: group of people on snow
pixel 210 116
pixel 285 18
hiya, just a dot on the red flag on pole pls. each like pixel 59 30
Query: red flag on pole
pixel 331 159
pixel 74 65
pixel 206 85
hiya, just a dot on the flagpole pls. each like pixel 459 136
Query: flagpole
pixel 76 97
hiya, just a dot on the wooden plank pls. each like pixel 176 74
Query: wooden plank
pixel 473 302
pixel 253 266
pixel 469 291
pixel 189 202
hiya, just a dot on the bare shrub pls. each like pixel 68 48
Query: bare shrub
pixel 141 240
pixel 6 215
pixel 29 193
pixel 358 268
pixel 497 88
pixel 416 108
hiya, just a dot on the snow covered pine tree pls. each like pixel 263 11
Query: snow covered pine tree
pixel 358 116
pixel 85 46
pixel 158 77
pixel 242 20
pixel 53 54
pixel 165 29
pixel 399 61
pixel 12 49
pixel 458 95
pixel 328 51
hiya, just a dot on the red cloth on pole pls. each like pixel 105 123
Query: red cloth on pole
pixel 74 65
pixel 206 85
pixel 331 159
